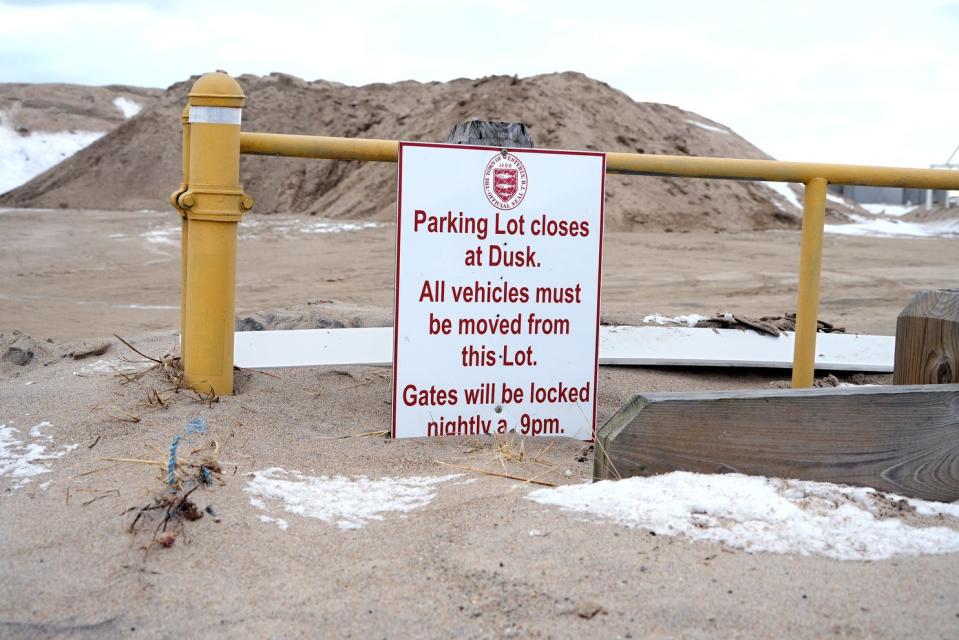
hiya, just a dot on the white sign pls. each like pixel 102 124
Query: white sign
pixel 497 291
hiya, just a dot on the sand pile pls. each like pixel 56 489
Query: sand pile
pixel 65 107
pixel 42 124
pixel 141 160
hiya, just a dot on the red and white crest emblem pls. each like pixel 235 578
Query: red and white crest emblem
pixel 505 181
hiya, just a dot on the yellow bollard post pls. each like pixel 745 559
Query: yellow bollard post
pixel 174 200
pixel 810 266
pixel 214 203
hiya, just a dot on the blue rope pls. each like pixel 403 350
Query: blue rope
pixel 195 426
pixel 171 463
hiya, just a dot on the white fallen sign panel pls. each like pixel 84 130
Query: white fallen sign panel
pixel 618 345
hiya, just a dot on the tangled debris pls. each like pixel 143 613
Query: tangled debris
pixel 181 477
pixel 769 325
pixel 831 380
pixel 175 510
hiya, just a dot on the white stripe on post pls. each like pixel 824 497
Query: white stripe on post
pixel 215 115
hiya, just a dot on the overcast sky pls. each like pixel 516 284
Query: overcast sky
pixel 845 81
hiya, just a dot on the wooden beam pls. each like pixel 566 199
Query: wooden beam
pixel 489 133
pixel 927 339
pixel 899 439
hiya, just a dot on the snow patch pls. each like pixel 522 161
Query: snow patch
pixel 689 320
pixel 280 522
pixel 286 227
pixel 108 367
pixel 5 210
pixel 88 303
pixel 760 514
pixel 36 433
pixel 783 189
pixel 708 127
pixel 888 209
pixel 164 235
pixel 892 228
pixel 20 461
pixel 935 509
pixel 832 197
pixel 326 226
pixel 348 503
pixel 23 157
pixel 127 107
pixel 251 229
pixel 137 305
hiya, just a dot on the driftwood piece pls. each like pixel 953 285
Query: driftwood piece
pixel 899 439
pixel 491 134
pixel 770 325
pixel 86 350
pixel 927 339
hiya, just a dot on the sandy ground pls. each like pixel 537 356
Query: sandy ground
pixel 64 273
pixel 465 565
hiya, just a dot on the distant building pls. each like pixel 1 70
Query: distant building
pixel 899 196
pixel 887 195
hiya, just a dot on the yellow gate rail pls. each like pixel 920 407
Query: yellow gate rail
pixel 211 192
pixel 373 150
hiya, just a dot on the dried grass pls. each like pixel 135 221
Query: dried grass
pixel 101 493
pixel 601 451
pixel 169 367
pixel 511 449
pixel 508 451
pixel 368 379
pixel 366 434
pixel 489 472
pixel 126 417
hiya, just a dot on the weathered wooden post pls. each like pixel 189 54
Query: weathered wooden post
pixel 927 339
pixel 487 133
